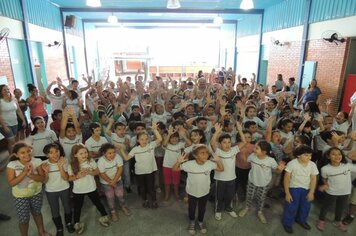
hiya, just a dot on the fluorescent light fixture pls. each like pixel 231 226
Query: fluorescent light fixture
pixel 93 3
pixel 112 19
pixel 247 4
pixel 173 4
pixel 218 20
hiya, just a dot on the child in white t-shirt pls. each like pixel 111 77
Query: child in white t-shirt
pixel 225 180
pixel 82 171
pixel 145 165
pixel 299 185
pixel 95 141
pixel 260 177
pixel 70 133
pixel 337 186
pixel 40 137
pixel 198 182
pixel 57 186
pixel 173 148
pixel 110 171
pixel 23 175
pixel 119 137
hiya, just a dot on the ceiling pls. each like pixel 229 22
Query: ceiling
pixel 144 7
pixel 161 4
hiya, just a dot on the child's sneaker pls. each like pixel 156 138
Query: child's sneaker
pixel 243 212
pixel 340 226
pixel 348 219
pixel 218 215
pixel 114 216
pixel 191 228
pixel 104 221
pixel 320 225
pixel 79 227
pixel 262 217
pixel 232 214
pixel 202 228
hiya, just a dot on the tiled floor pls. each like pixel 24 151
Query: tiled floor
pixel 166 220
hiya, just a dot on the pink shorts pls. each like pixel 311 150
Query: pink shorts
pixel 170 176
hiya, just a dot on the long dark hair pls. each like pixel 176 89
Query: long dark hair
pixel 17 148
pixel 326 156
pixel 35 130
pixel 31 87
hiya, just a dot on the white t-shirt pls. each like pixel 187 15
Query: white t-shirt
pixel 171 154
pixel 40 140
pixel 300 175
pixel 344 127
pixel 8 112
pixel 87 183
pixel 228 160
pixel 55 181
pixel 257 120
pixel 27 187
pixel 94 146
pixel 56 102
pixel 261 170
pixel 339 178
pixel 198 181
pixel 160 117
pixel 109 167
pixel 145 158
pixel 67 144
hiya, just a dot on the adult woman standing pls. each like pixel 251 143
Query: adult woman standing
pixel 9 110
pixel 37 103
pixel 312 93
pixel 21 131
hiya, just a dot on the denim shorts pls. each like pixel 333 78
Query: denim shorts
pixel 12 132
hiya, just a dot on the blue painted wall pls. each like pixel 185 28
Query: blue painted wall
pixel 249 25
pixel 290 13
pixel 40 12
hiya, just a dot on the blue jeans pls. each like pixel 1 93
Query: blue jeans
pixel 298 209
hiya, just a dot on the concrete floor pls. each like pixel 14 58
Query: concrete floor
pixel 166 220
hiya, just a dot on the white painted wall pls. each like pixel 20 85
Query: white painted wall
pixel 345 26
pixel 15 27
pixel 247 57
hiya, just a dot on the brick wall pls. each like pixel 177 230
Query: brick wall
pixel 283 60
pixel 330 70
pixel 54 62
pixel 5 65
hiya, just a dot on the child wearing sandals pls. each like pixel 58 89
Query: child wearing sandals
pixel 57 186
pixel 299 185
pixel 110 171
pixel 337 186
pixel 198 182
pixel 23 176
pixel 225 180
pixel 82 171
pixel 260 177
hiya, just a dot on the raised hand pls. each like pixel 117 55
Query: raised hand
pixel 154 126
pixel 171 131
pixel 61 162
pixel 218 128
pixel 182 158
pixel 45 168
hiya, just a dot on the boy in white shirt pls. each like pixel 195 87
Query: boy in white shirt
pixel 299 185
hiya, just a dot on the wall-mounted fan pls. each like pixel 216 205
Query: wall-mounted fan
pixel 332 36
pixel 55 43
pixel 4 33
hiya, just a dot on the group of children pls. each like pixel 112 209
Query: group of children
pixel 218 145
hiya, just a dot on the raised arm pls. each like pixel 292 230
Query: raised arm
pixel 168 136
pixel 243 140
pixel 156 133
pixel 64 122
pixel 214 138
pixel 307 118
pixel 183 134
pixel 49 87
pixel 270 122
